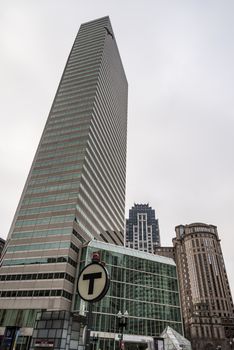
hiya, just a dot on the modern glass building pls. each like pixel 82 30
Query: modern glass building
pixel 75 190
pixel 142 229
pixel 174 341
pixel 143 284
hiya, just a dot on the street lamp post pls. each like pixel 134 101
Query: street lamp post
pixel 123 319
pixel 231 342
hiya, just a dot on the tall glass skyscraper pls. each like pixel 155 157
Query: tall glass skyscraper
pixel 142 229
pixel 75 190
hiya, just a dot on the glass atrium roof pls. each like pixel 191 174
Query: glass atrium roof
pixel 131 252
pixel 175 341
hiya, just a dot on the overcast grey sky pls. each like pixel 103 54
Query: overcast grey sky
pixel 178 57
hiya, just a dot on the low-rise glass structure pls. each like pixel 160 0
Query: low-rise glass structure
pixel 175 341
pixel 143 284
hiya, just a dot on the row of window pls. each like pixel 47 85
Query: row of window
pixel 57 120
pixel 81 70
pixel 201 229
pixel 86 84
pixel 58 145
pixel 96 205
pixel 82 67
pixel 39 246
pixel 86 230
pixel 74 247
pixel 50 198
pixel 67 136
pixel 22 317
pixel 78 93
pixel 80 88
pixel 87 219
pixel 78 84
pixel 87 52
pixel 110 108
pixel 77 104
pixel 60 154
pixel 93 29
pixel 45 221
pixel 60 160
pixel 35 293
pixel 93 181
pixel 75 233
pixel 101 186
pixel 42 233
pixel 67 128
pixel 37 276
pixel 83 44
pixel 108 173
pixel 50 209
pixel 118 151
pixel 74 93
pixel 203 242
pixel 82 62
pixel 45 260
pixel 71 112
pixel 51 187
pixel 45 233
pixel 92 196
pixel 56 169
pixel 50 178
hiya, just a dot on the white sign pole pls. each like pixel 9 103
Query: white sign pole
pixel 93 284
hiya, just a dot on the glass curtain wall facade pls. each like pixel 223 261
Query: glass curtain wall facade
pixel 75 190
pixel 142 229
pixel 143 284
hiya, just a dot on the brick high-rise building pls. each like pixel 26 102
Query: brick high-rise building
pixel 206 299
pixel 75 190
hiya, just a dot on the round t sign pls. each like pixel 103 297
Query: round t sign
pixel 93 282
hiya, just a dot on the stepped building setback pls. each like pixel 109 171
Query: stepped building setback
pixel 142 229
pixel 75 190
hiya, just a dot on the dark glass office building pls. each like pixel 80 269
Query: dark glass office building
pixel 142 228
pixel 75 190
